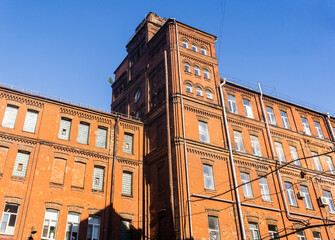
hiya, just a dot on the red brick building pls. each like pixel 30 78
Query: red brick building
pixel 249 167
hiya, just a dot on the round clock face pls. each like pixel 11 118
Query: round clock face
pixel 137 95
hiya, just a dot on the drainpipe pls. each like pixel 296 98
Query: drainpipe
pixel 184 137
pixel 330 126
pixel 232 165
pixel 116 132
pixel 277 170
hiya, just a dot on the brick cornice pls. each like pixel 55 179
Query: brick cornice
pixel 21 99
pixel 84 115
pixel 206 154
pixel 201 112
pixel 128 161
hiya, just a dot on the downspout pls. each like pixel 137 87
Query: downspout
pixel 184 137
pixel 167 103
pixel 232 165
pixel 330 126
pixel 116 132
pixel 273 155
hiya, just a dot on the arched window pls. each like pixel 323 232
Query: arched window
pixel 199 91
pixel 206 73
pixel 187 67
pixel 196 70
pixel 185 44
pixel 203 51
pixel 137 95
pixel 194 48
pixel 209 94
pixel 188 88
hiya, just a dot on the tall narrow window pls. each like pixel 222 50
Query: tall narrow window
pixel 247 190
pixel 256 148
pixel 290 194
pixel 248 108
pixel 10 116
pixel 239 145
pixel 284 118
pixel 280 152
pixel 194 48
pixel 203 132
pixel 199 91
pixel 50 224
pixel 301 235
pixel 232 103
pixel 263 184
pixel 330 201
pixel 101 137
pixel 307 197
pixel 9 217
pixel 209 94
pixel 317 236
pixel 206 73
pixel 185 44
pixel 213 228
pixel 128 143
pixel 83 132
pixel 197 70
pixel 306 126
pixel 93 229
pixel 254 232
pixel 330 165
pixel 188 88
pixel 203 51
pixel 30 121
pixel 294 155
pixel 271 115
pixel 318 129
pixel 64 128
pixel 208 176
pixel 72 226
pixel 317 162
pixel 273 232
pixel 125 229
pixel 98 178
pixel 127 183
pixel 21 164
pixel 187 67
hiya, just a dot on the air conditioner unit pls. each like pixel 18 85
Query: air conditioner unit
pixel 300 195
pixel 323 201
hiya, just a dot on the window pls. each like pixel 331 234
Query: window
pixel 187 67
pixel 199 91
pixel 317 236
pixel 254 232
pixel 290 194
pixel 188 88
pixel 330 201
pixel 50 224
pixel 98 178
pixel 213 228
pixel 263 184
pixel 306 126
pixel 232 104
pixel 72 226
pixel 203 51
pixel 318 129
pixel 307 198
pixel 194 48
pixel 127 183
pixel 209 94
pixel 273 232
pixel 93 229
pixel 10 116
pixel 203 132
pixel 271 115
pixel 208 176
pixel 247 190
pixel 30 121
pixel 206 73
pixel 125 230
pixel 284 118
pixel 21 164
pixel 101 137
pixel 247 108
pixel 8 220
pixel 256 148
pixel 317 162
pixel 185 44
pixel 137 95
pixel 239 146
pixel 128 143
pixel 64 128
pixel 294 155
pixel 280 152
pixel 330 165
pixel 197 70
pixel 301 235
pixel 83 132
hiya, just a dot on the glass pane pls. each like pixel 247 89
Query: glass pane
pixel 12 220
pixel 45 231
pixel 52 232
pixel 11 208
pixel 96 233
pixel 3 227
pixel 89 232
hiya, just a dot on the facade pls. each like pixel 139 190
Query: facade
pixel 193 167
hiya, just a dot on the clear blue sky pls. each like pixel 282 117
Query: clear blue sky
pixel 70 48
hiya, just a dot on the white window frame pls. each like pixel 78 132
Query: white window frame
pixel 9 118
pixel 271 115
pixel 318 129
pixel 209 94
pixel 196 70
pixel 285 120
pixel 306 126
pixel 330 201
pixel 232 104
pixel 206 74
pixel 208 176
pixel 239 144
pixel 280 152
pixel 189 88
pixel 294 155
pixel 330 165
pixel 185 44
pixel 187 67
pixel 30 121
pixel 71 225
pixel 290 194
pixel 254 231
pixel 317 162
pixel 203 132
pixel 247 189
pixel 203 51
pixel 54 221
pixel 247 108
pixel 317 235
pixel 214 231
pixel 307 197
pixel 301 235
pixel 9 230
pixel 273 232
pixel 95 226
pixel 199 91
pixel 255 145
pixel 194 48
pixel 265 191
